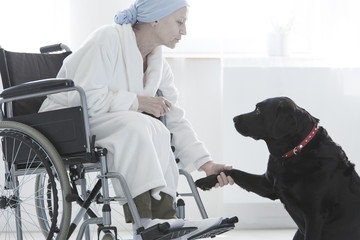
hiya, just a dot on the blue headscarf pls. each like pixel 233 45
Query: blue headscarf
pixel 148 11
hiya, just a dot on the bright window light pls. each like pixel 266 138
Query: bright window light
pixel 328 28
pixel 28 25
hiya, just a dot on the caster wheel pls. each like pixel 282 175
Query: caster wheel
pixel 108 236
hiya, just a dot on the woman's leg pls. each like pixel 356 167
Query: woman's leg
pixel 148 207
pixel 143 205
pixel 139 149
pixel 163 208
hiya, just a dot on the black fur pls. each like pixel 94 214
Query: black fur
pixel 318 187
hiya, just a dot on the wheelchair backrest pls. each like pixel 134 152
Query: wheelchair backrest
pixel 65 128
pixel 17 68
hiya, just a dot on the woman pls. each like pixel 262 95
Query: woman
pixel 121 68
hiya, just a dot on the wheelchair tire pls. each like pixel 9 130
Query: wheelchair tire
pixel 45 201
pixel 27 153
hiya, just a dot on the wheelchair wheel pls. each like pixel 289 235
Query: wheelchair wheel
pixel 46 200
pixel 27 153
pixel 90 178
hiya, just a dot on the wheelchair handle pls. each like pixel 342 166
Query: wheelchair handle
pixel 54 48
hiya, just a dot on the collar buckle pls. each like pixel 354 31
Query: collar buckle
pixel 298 148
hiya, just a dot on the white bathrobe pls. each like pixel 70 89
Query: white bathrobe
pixel 109 67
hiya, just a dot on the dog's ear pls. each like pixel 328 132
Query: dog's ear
pixel 308 116
pixel 285 119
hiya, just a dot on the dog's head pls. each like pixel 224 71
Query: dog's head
pixel 274 118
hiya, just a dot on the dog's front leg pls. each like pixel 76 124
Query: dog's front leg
pixel 258 184
pixel 250 182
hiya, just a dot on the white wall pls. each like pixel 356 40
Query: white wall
pixel 28 25
pixel 199 84
pixel 88 15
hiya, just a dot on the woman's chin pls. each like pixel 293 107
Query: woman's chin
pixel 171 45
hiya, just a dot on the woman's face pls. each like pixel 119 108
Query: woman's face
pixel 169 29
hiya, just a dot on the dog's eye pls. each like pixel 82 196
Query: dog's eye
pixel 257 110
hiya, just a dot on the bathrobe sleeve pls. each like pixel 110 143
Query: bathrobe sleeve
pixel 188 148
pixel 99 69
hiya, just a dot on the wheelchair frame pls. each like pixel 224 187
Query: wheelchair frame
pixel 75 170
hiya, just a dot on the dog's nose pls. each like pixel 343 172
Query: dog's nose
pixel 235 119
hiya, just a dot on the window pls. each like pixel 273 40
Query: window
pixel 323 28
pixel 316 28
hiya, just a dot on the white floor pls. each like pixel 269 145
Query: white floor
pixel 258 234
pixel 273 234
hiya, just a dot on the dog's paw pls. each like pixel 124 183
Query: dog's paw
pixel 207 183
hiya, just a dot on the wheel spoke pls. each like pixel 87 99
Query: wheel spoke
pixel 26 153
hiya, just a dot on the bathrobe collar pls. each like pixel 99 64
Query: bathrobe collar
pixel 153 73
pixel 139 82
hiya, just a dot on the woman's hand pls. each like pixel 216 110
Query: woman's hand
pixel 214 168
pixel 156 106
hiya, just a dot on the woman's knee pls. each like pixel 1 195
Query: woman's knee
pixel 145 126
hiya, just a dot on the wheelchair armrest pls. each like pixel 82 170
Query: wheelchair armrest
pixel 37 86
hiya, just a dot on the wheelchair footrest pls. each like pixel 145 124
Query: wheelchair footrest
pixel 163 231
pixel 226 225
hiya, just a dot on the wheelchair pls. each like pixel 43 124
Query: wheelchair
pixel 48 157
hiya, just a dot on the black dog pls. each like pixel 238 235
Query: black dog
pixel 307 171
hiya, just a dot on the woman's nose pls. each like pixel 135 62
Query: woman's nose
pixel 183 30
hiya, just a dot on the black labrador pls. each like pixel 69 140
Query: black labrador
pixel 307 171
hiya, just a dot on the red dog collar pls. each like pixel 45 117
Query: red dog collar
pixel 299 147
